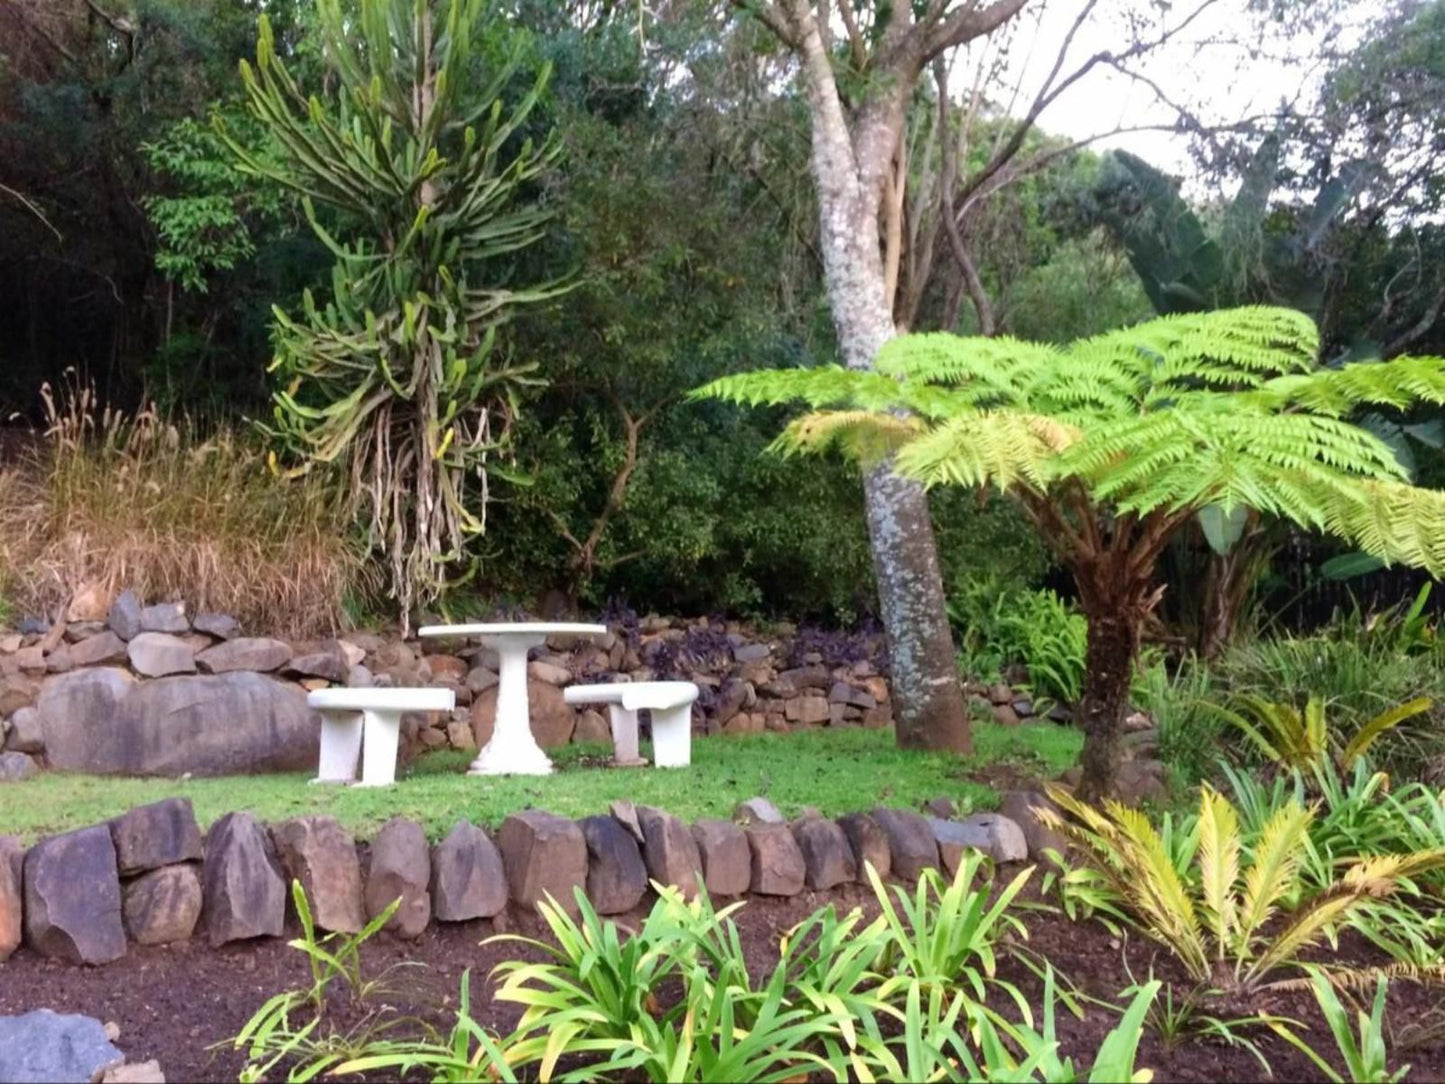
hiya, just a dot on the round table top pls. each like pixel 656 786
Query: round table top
pixel 515 628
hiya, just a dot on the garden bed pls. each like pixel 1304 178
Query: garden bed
pixel 175 1004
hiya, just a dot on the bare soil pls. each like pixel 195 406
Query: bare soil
pixel 180 1004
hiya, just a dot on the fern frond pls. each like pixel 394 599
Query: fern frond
pixel 998 449
pixel 1399 383
pixel 860 434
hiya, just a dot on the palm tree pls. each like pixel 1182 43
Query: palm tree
pixel 1113 443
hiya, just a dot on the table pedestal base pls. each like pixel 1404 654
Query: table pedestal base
pixel 495 760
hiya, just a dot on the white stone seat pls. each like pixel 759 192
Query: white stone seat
pixel 367 721
pixel 671 705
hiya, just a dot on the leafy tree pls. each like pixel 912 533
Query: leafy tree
pixel 1112 444
pixel 396 375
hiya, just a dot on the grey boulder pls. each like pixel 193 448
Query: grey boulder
pixel 243 890
pixel 17 767
pixel 46 1047
pixel 544 855
pixel 125 614
pixel 400 870
pixel 911 846
pixel 616 876
pixel 163 905
pixel 159 654
pixel 159 834
pixel 321 854
pixel 727 861
pixel 777 866
pixel 256 653
pixel 12 860
pixel 827 856
pixel 669 850
pixel 72 898
pixel 467 878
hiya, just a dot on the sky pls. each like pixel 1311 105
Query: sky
pixel 1207 68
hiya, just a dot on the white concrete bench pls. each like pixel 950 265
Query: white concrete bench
pixel 671 705
pixel 367 721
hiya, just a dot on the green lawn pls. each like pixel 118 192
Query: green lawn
pixel 835 770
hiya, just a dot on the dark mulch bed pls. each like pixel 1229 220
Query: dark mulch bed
pixel 173 1004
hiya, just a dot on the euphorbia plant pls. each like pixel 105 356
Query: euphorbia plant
pixel 1112 444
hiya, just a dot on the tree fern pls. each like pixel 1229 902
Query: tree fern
pixel 1114 442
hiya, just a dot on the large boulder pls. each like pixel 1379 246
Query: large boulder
pixel 321 854
pixel 27 732
pixel 159 654
pixel 1023 808
pixel 996 836
pixel 155 835
pixel 12 859
pixel 221 626
pixel 243 890
pixel 400 870
pixel 17 767
pixel 163 905
pixel 46 1047
pixel 669 850
pixel 869 844
pixel 102 649
pixel 727 861
pixel 616 876
pixel 827 855
pixel 777 867
pixel 72 898
pixel 543 854
pixel 104 722
pixel 256 653
pixel 911 845
pixel 467 878
pixel 553 719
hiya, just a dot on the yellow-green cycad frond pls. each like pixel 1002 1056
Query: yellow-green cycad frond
pixel 862 435
pixel 1000 448
pixel 1273 869
pixel 1371 731
pixel 1396 383
pixel 1219 850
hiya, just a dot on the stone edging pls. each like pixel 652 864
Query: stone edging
pixel 149 877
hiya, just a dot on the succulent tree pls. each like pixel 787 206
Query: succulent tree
pixel 396 374
pixel 1112 444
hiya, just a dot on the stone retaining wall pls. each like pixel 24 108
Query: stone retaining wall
pixel 149 877
pixel 124 688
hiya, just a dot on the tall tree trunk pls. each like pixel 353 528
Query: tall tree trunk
pixel 1113 646
pixel 927 698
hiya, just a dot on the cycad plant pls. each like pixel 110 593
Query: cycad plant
pixel 1112 444
pixel 1238 912
pixel 1303 741
pixel 395 375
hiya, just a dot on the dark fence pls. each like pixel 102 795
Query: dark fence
pixel 1297 596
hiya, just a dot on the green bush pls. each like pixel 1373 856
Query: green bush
pixel 1000 627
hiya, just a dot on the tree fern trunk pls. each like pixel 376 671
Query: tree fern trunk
pixel 1113 646
pixel 927 698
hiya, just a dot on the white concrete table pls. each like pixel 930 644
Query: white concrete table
pixel 367 721
pixel 512 749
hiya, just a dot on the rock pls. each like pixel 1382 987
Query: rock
pixel 1004 715
pixel 616 875
pixel 777 863
pixel 807 677
pixel 58 661
pixel 467 878
pixel 878 718
pixel 359 677
pixel 911 847
pixel 72 898
pixel 144 1072
pixel 869 844
pixel 46 1047
pixel 480 680
pixel 549 673
pixel 159 834
pixel 1138 720
pixel 321 854
pixel 807 710
pixel 17 767
pixel 221 626
pixel 940 807
pixel 26 733
pixel 16 694
pixel 400 869
pixel 327 662
pixel 1139 781
pixel 243 890
pixel 626 814
pixel 164 617
pixel 727 860
pixel 163 905
pixel 592 728
pixel 125 616
pixel 996 836
pixel 844 693
pixel 1022 807
pixel 543 854
pixel 731 699
pixel 745 723
pixel 827 856
pixel 1000 693
pixel 669 850
pixel 12 894
pixel 11 643
pixel 758 811
pixel 460 736
pixel 256 653
pixel 750 653
pixel 553 719
pixel 1023 708
pixel 30 658
pixel 1060 713
pixel 98 650
pixel 104 722
pixel 157 654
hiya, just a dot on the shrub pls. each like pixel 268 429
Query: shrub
pixel 1035 628
pixel 1304 741
pixel 136 501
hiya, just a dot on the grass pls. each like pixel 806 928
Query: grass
pixel 834 770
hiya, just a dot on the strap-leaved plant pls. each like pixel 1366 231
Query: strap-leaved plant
pixel 1113 443
pixel 395 376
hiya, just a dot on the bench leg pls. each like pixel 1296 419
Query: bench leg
pixel 340 745
pixel 624 737
pixel 378 762
pixel 672 736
